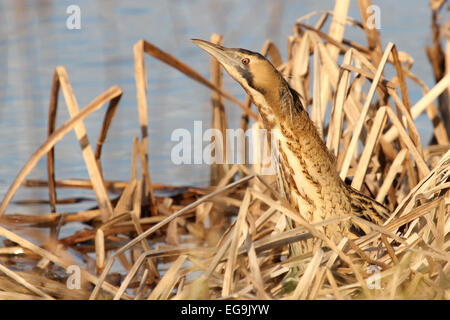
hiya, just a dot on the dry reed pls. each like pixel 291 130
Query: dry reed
pixel 230 240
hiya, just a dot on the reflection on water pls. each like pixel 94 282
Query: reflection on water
pixel 34 40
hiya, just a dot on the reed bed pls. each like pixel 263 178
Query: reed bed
pixel 230 240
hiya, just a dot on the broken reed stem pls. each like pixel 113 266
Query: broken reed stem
pixel 51 141
pixel 422 104
pixel 219 121
pixel 228 280
pixel 88 154
pixel 372 140
pixel 51 154
pixel 337 114
pixel 357 131
pixel 109 115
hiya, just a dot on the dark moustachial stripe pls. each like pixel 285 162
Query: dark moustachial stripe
pixel 247 75
pixel 244 72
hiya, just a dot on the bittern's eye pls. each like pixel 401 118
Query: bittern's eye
pixel 245 61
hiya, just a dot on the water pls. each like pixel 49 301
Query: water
pixel 34 40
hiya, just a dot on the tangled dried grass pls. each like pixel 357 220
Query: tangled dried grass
pixel 230 241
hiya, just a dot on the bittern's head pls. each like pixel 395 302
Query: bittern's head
pixel 250 69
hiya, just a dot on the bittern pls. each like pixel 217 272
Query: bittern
pixel 307 172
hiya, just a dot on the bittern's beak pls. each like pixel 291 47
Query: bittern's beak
pixel 226 57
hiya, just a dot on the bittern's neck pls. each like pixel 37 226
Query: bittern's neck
pixel 278 104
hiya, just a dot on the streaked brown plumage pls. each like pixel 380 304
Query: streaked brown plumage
pixel 307 174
